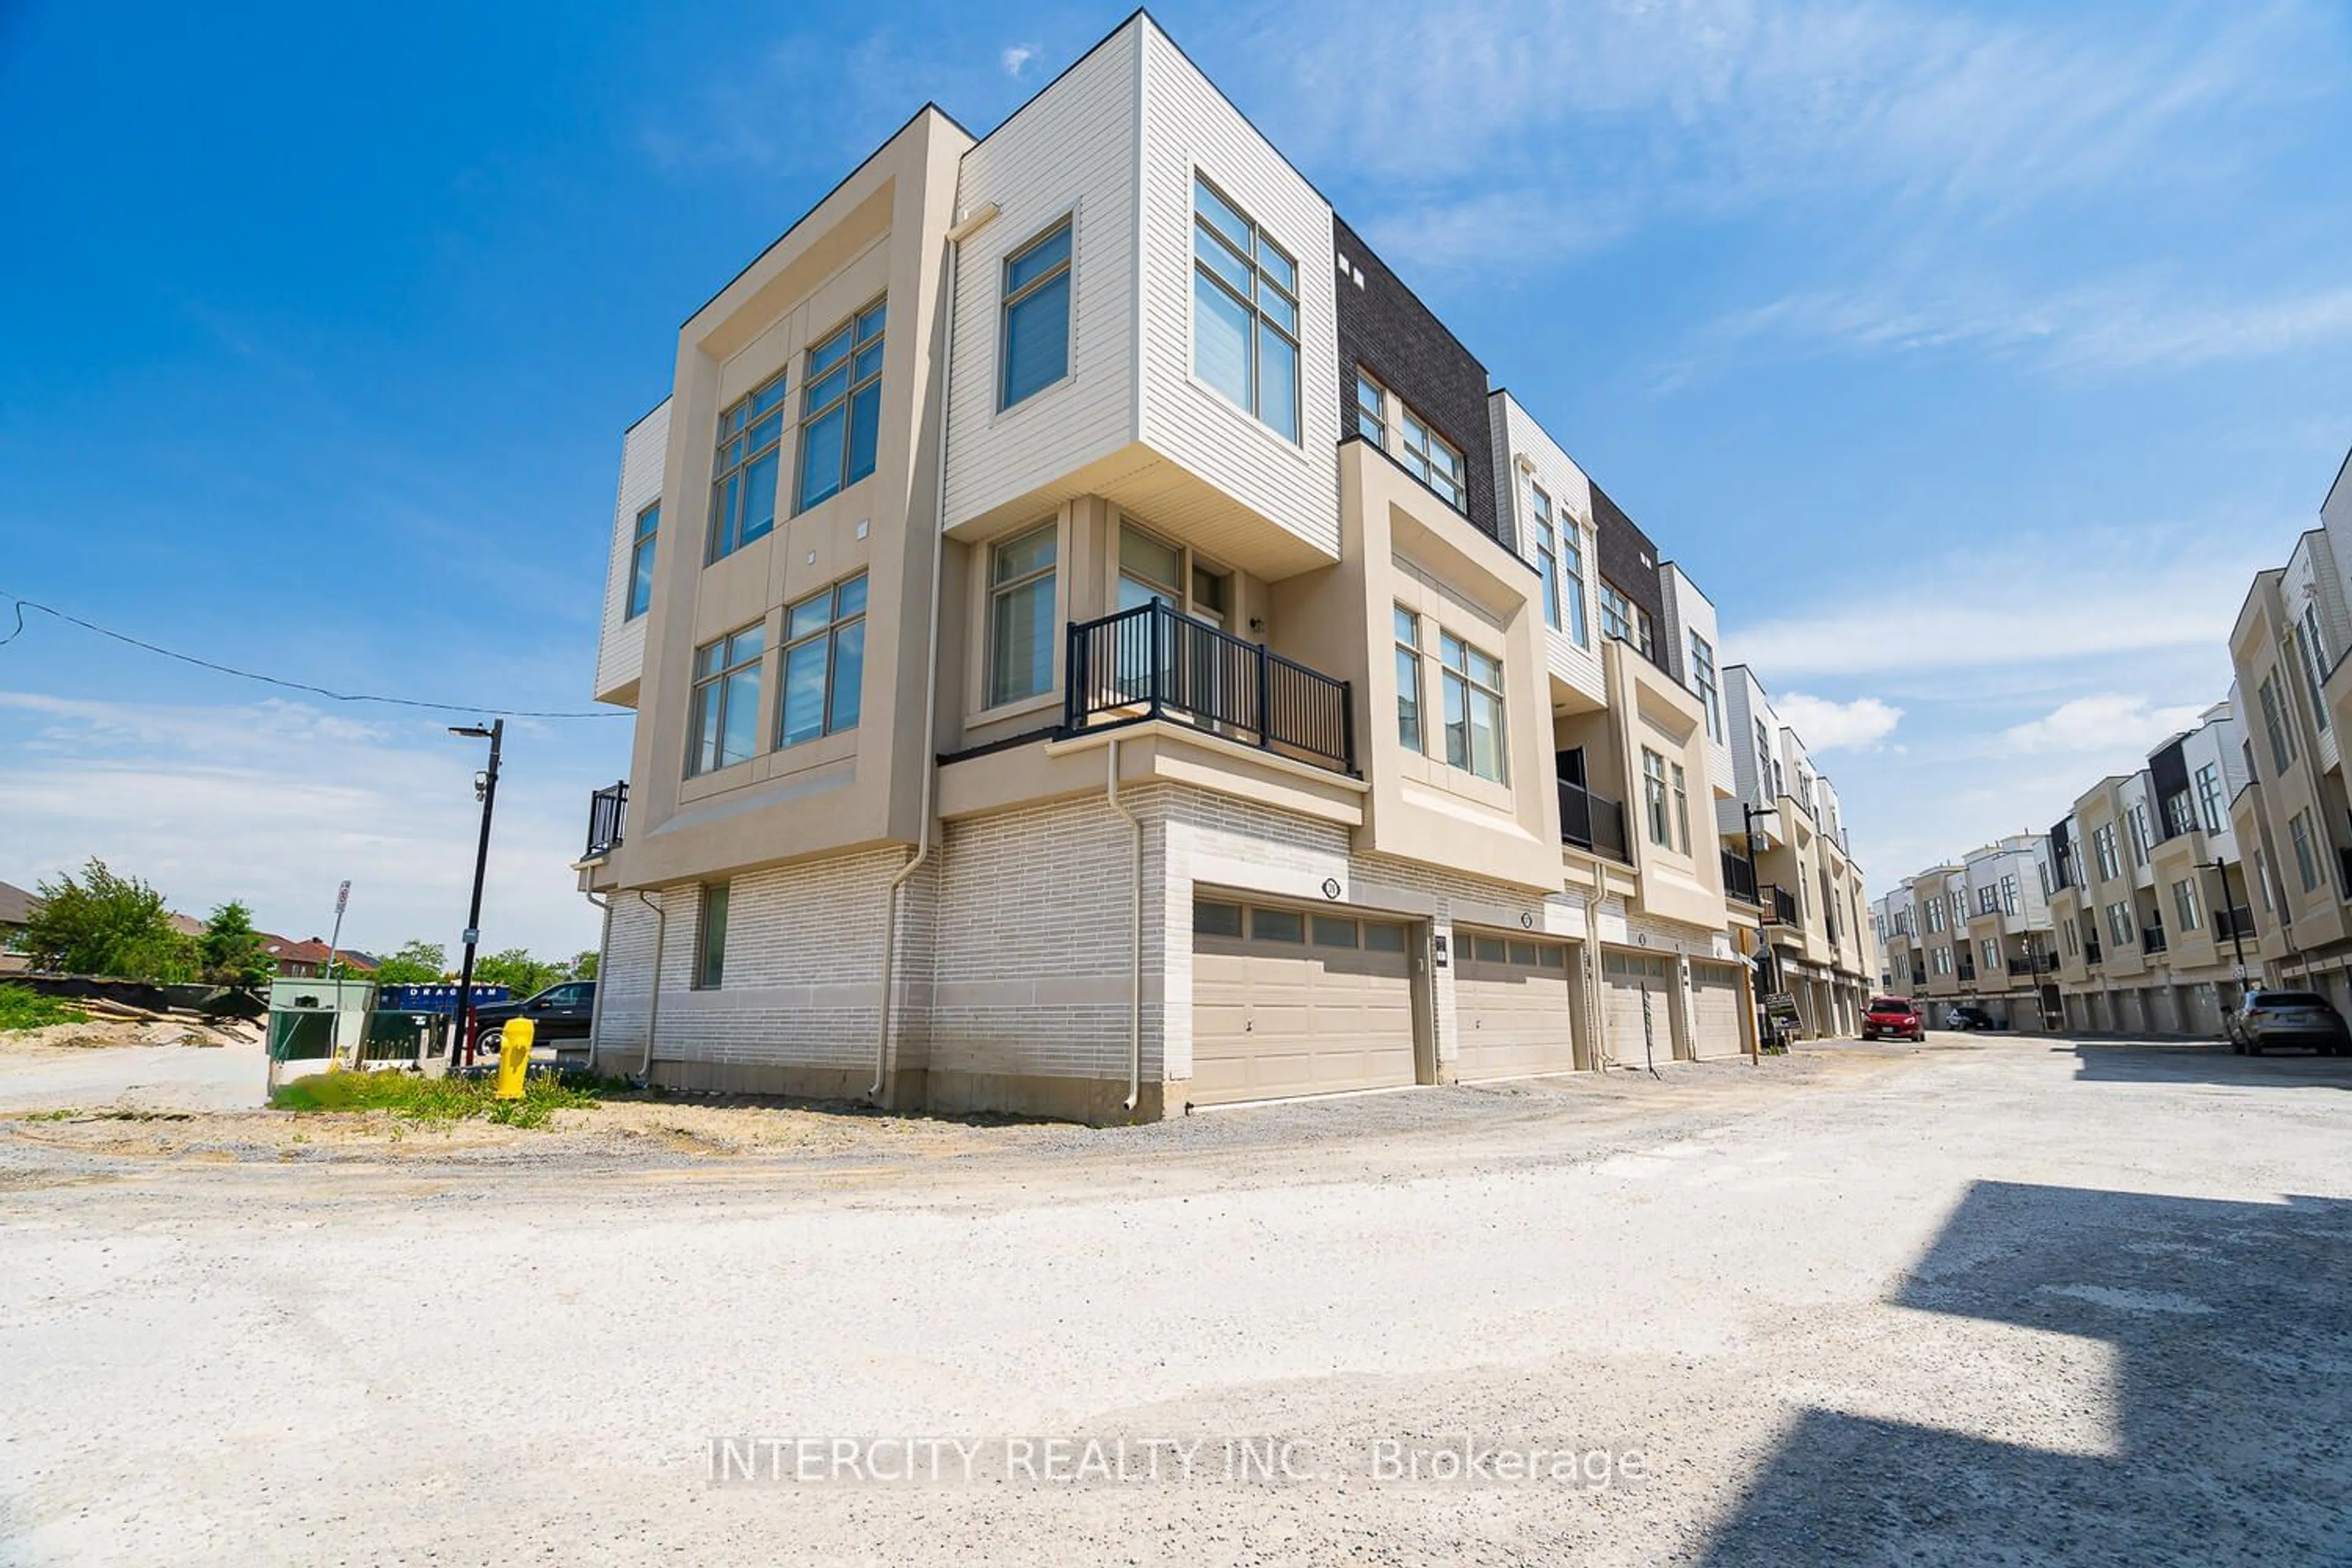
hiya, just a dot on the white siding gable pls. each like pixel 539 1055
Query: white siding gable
pixel 621 645
pixel 1071 151
pixel 1188 124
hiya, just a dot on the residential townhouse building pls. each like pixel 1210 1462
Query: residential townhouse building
pixel 1782 812
pixel 2127 916
pixel 1101 646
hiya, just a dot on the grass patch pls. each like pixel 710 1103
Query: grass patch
pixel 24 1008
pixel 67 1114
pixel 413 1099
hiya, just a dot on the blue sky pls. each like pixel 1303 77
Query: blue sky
pixel 1971 357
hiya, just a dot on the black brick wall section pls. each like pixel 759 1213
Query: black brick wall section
pixel 1387 330
pixel 1630 559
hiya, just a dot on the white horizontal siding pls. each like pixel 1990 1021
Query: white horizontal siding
pixel 1071 151
pixel 621 646
pixel 1519 435
pixel 1187 124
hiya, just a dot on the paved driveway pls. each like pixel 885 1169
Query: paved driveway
pixel 1999 1299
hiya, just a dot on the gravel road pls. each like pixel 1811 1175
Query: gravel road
pixel 2007 1300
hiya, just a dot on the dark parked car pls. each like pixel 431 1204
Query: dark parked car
pixel 1892 1018
pixel 560 1013
pixel 1970 1019
pixel 2306 1019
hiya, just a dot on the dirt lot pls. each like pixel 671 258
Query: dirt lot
pixel 1996 1299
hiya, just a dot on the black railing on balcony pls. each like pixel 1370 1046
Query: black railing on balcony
pixel 1592 822
pixel 1918 978
pixel 2091 953
pixel 1739 878
pixel 1154 662
pixel 2230 923
pixel 1968 969
pixel 608 812
pixel 1779 906
pixel 2152 940
pixel 2038 965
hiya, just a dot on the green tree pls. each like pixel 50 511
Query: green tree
pixel 516 969
pixel 417 962
pixel 584 965
pixel 107 925
pixel 230 951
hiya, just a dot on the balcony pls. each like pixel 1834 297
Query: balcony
pixel 1779 906
pixel 2091 955
pixel 1739 878
pixel 2022 968
pixel 2233 924
pixel 1968 970
pixel 1918 979
pixel 608 812
pixel 1154 663
pixel 2151 941
pixel 1592 822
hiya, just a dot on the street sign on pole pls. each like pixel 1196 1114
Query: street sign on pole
pixel 342 897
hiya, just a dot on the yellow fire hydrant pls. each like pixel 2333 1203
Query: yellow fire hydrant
pixel 514 1056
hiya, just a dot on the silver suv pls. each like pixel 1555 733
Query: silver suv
pixel 2306 1019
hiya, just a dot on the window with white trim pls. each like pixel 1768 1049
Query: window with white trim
pixel 1408 671
pixel 1472 683
pixel 1384 419
pixel 1654 802
pixel 1021 615
pixel 1244 311
pixel 2185 904
pixel 641 563
pixel 710 937
pixel 2209 796
pixel 1037 333
pixel 1703 678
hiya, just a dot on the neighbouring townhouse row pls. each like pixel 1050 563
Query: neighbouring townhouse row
pixel 1101 645
pixel 2223 864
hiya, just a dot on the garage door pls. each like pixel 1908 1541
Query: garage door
pixel 2131 1016
pixel 1511 1008
pixel 1716 1009
pixel 1288 1001
pixel 2164 1011
pixel 2204 1010
pixel 1623 977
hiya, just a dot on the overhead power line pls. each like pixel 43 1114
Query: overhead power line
pixel 23 604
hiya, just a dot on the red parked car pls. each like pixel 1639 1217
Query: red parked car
pixel 1892 1018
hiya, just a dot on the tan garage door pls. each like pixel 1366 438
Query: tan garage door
pixel 1623 977
pixel 1716 1007
pixel 1511 1009
pixel 1288 1001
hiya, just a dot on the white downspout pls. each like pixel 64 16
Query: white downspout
pixel 653 1008
pixel 1135 925
pixel 931 665
pixel 603 942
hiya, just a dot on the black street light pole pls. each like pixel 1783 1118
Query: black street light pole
pixel 2237 938
pixel 489 794
pixel 1747 816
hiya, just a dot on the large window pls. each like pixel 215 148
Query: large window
pixel 824 663
pixel 1020 616
pixel 1036 315
pixel 1571 578
pixel 1616 612
pixel 2274 724
pixel 1702 678
pixel 1682 809
pixel 1244 311
pixel 2314 664
pixel 2306 852
pixel 1653 799
pixel 1383 420
pixel 841 407
pixel 2185 905
pixel 1547 554
pixel 725 725
pixel 2119 924
pixel 641 563
pixel 2103 846
pixel 2209 795
pixel 1473 708
pixel 1408 669
pixel 2009 894
pixel 743 490
pixel 711 939
pixel 2140 842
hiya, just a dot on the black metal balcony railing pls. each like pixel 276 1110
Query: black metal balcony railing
pixel 1739 878
pixel 2037 965
pixel 1968 969
pixel 2152 940
pixel 2233 923
pixel 1154 662
pixel 1779 906
pixel 1592 822
pixel 2091 953
pixel 608 812
pixel 1918 978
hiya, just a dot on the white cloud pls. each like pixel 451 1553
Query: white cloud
pixel 1016 59
pixel 273 802
pixel 1827 726
pixel 2105 722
